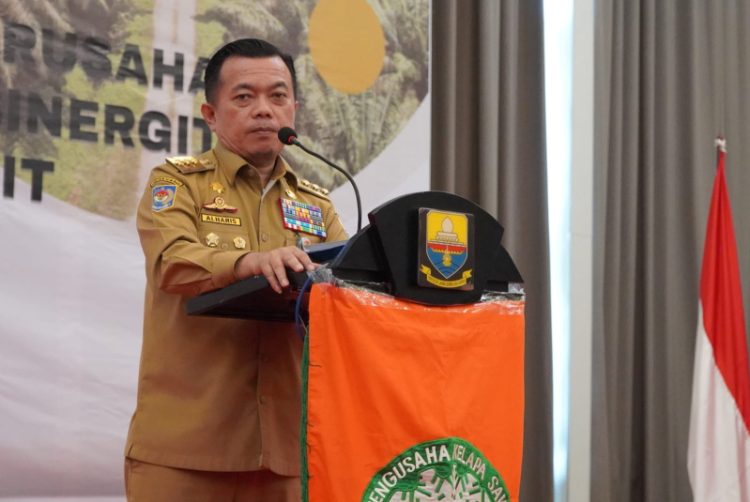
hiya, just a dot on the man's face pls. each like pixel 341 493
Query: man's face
pixel 254 99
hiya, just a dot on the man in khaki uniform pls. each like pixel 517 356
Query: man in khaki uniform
pixel 218 412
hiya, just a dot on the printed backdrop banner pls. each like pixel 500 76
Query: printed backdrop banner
pixel 410 403
pixel 95 94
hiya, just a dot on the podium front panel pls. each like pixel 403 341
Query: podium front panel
pixel 406 402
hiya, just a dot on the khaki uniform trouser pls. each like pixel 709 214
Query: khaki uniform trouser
pixel 157 483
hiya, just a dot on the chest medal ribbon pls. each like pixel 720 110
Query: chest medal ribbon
pixel 303 217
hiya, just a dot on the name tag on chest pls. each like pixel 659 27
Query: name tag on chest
pixel 220 219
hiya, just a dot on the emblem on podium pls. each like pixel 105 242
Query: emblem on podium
pixel 446 253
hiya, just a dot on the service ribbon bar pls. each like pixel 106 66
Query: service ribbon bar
pixel 303 217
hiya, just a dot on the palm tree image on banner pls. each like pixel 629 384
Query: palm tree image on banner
pixel 94 105
pixel 93 95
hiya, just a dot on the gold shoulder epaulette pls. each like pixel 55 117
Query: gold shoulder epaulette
pixel 188 164
pixel 313 189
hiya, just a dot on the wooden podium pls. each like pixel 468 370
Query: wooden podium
pixel 413 365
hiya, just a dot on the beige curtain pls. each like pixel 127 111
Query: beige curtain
pixel 488 146
pixel 670 75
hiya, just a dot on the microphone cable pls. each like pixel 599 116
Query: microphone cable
pixel 288 136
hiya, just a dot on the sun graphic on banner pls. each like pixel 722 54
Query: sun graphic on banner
pixel 346 44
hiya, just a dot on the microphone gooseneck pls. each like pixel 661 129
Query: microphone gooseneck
pixel 288 136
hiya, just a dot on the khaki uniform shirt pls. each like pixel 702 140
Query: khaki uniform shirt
pixel 216 394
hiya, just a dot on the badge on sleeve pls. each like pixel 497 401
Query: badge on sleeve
pixel 303 217
pixel 162 196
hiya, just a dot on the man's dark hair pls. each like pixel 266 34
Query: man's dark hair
pixel 248 48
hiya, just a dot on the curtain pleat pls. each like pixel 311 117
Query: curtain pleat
pixel 670 76
pixel 488 146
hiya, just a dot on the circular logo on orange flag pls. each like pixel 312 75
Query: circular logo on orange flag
pixel 446 470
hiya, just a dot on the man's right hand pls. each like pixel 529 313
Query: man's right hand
pixel 273 264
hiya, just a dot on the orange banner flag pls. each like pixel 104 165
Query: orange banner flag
pixel 406 402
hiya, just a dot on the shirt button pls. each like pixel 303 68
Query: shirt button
pixel 264 237
pixel 263 399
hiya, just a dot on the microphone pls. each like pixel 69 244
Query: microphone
pixel 288 136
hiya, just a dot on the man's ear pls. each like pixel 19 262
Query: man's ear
pixel 209 115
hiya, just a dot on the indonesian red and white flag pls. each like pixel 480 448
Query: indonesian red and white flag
pixel 719 448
